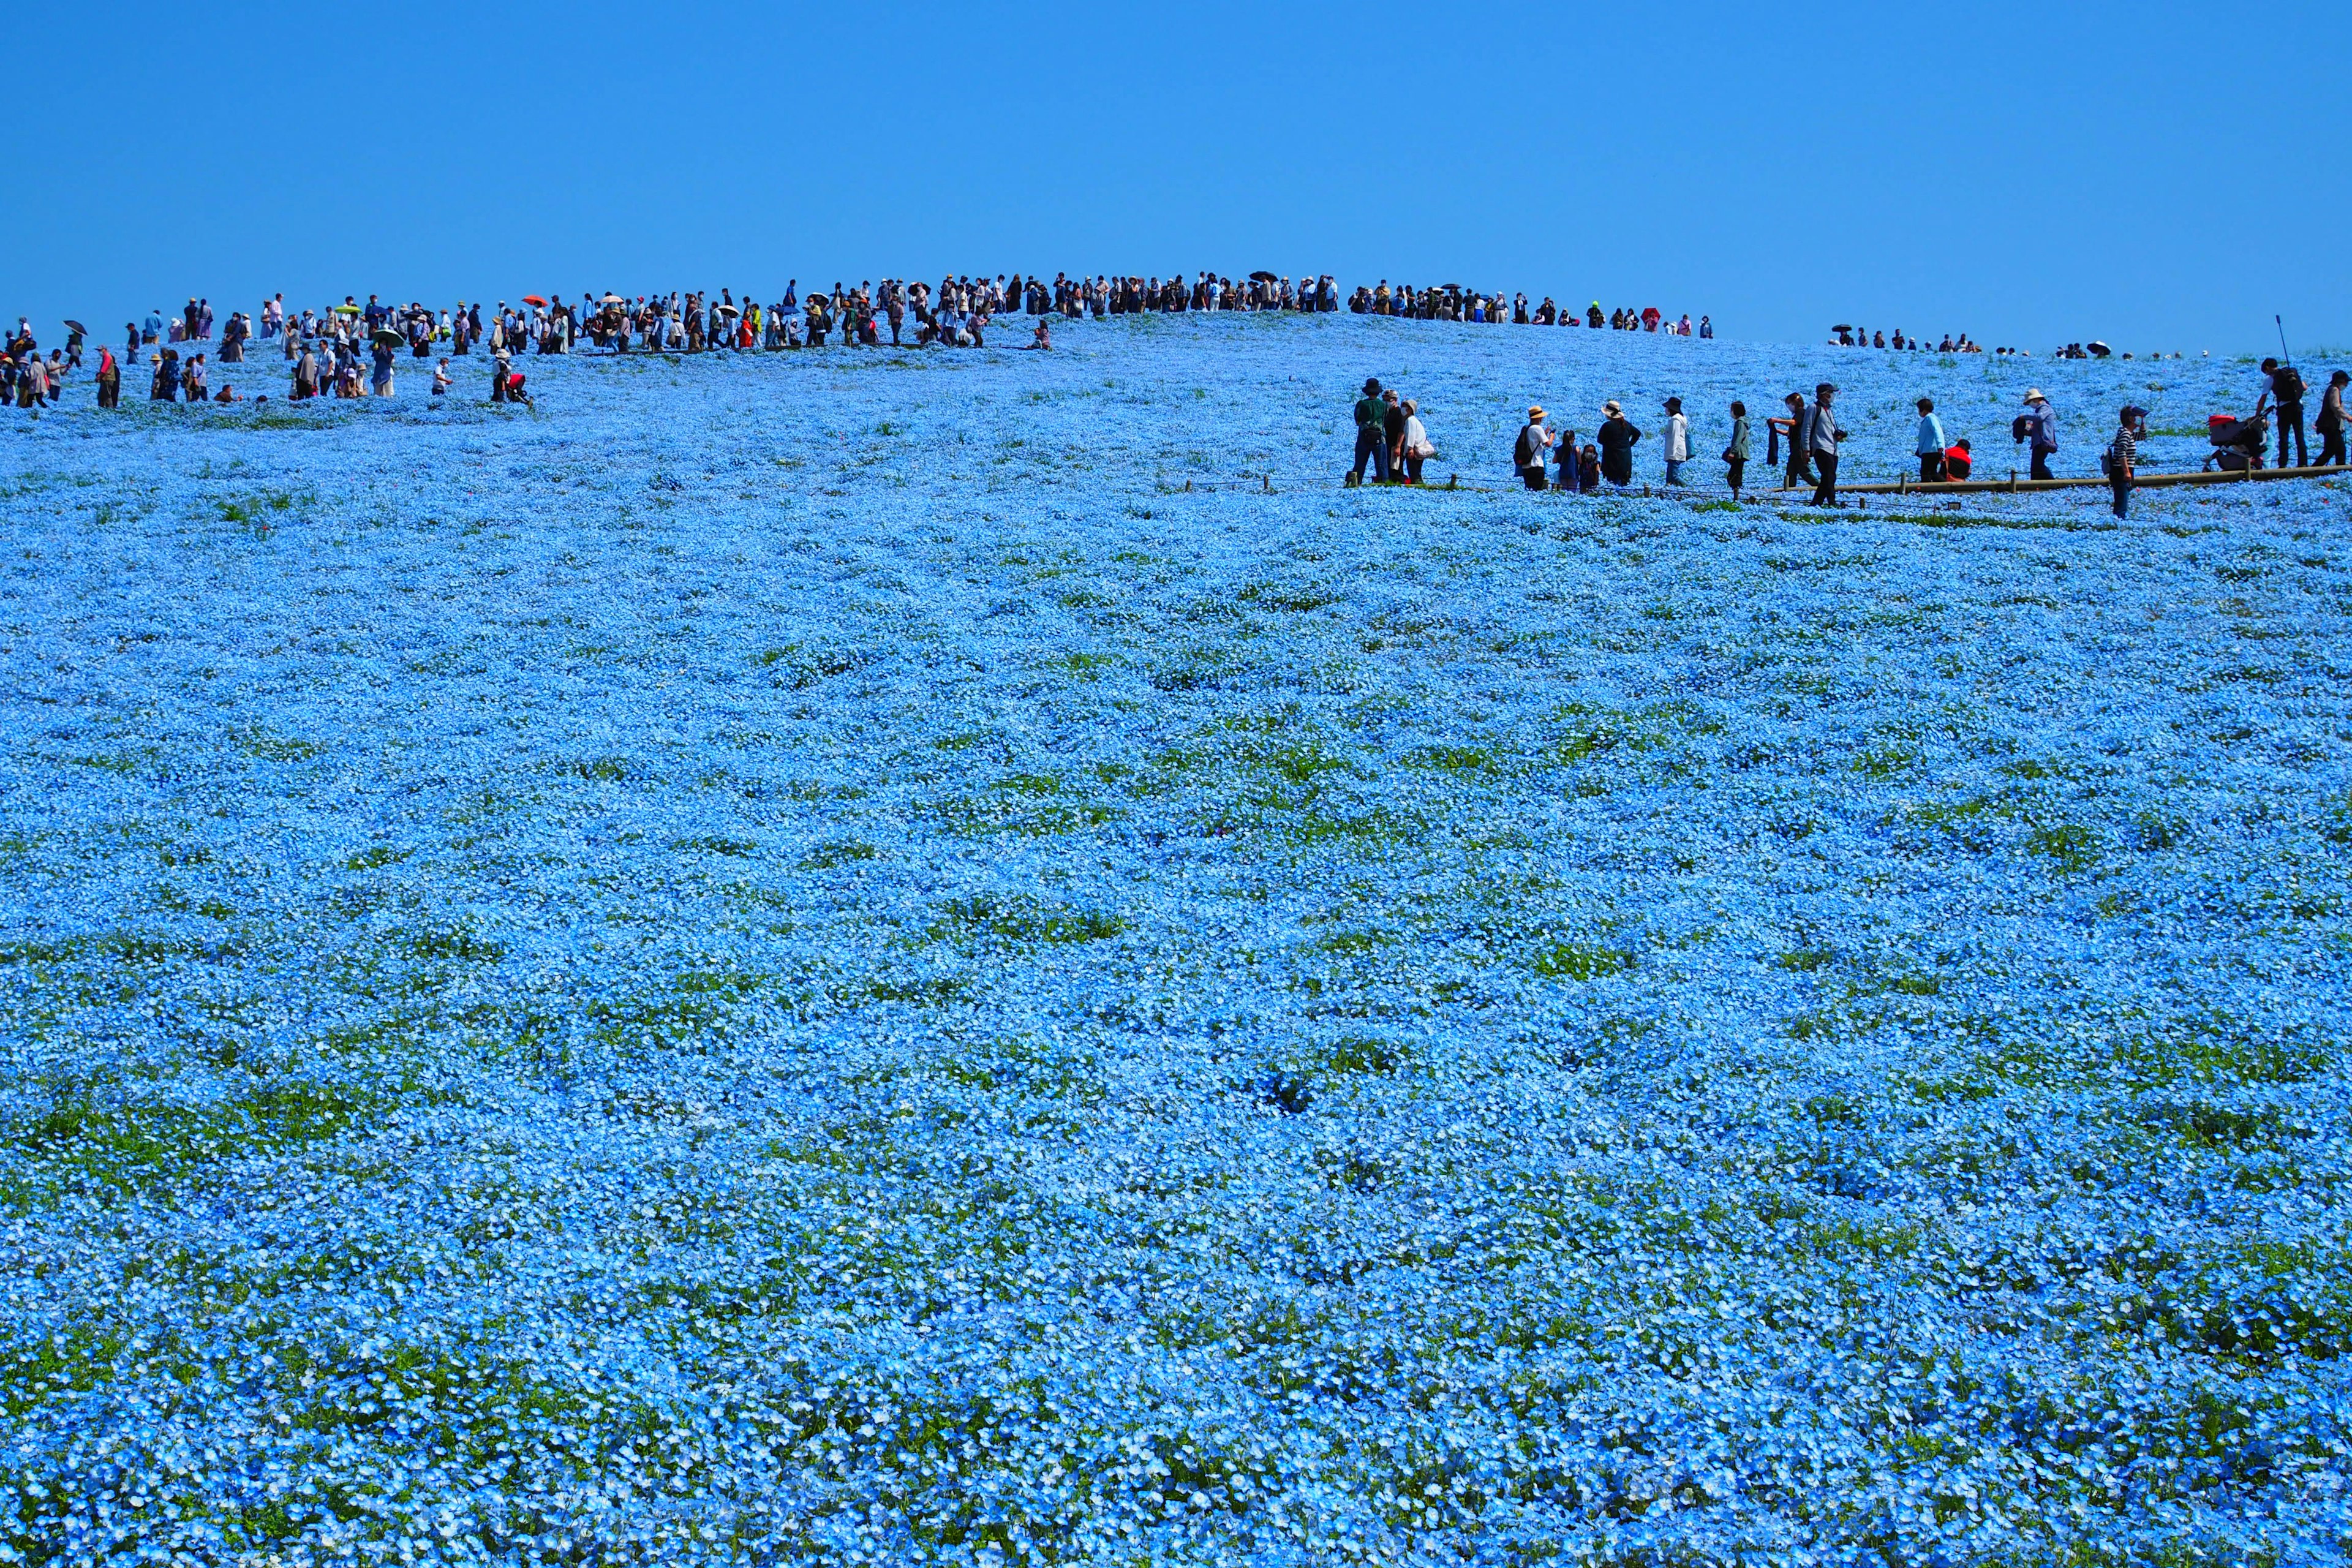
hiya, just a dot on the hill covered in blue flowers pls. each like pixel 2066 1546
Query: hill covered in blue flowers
pixel 810 958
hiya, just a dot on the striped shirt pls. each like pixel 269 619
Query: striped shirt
pixel 2123 451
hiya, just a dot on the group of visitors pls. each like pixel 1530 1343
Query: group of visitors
pixel 1393 442
pixel 1451 302
pixel 350 350
pixel 1851 337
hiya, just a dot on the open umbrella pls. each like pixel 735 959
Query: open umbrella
pixel 1263 276
pixel 612 300
pixel 534 299
pixel 728 310
pixel 387 337
pixel 347 309
pixel 74 326
pixel 1842 327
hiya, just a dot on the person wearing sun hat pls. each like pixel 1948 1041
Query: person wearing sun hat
pixel 2039 425
pixel 1617 436
pixel 1527 455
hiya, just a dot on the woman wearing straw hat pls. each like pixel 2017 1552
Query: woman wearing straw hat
pixel 1617 436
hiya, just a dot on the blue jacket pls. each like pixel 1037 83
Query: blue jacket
pixel 1931 441
pixel 2044 432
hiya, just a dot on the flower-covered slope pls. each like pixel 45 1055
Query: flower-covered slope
pixel 808 959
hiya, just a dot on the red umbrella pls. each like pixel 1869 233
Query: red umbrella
pixel 534 299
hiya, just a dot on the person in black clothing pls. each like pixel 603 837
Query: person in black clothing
pixel 2330 424
pixel 1372 424
pixel 1801 463
pixel 2286 390
pixel 1617 436
pixel 1393 431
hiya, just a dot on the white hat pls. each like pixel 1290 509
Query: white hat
pixel 2033 395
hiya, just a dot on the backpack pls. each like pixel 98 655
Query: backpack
pixel 1520 456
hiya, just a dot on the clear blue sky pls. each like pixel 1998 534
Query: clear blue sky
pixel 2152 174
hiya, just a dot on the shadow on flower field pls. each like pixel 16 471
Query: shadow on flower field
pixel 810 959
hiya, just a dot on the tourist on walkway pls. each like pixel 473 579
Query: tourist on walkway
pixel 1928 445
pixel 1734 455
pixel 1822 438
pixel 1790 427
pixel 1371 442
pixel 1416 445
pixel 2330 424
pixel 2123 452
pixel 2039 427
pixel 1528 452
pixel 1617 436
pixel 2285 388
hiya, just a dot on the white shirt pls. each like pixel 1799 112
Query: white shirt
pixel 1678 439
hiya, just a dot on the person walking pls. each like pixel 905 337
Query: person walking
pixel 2122 454
pixel 1371 444
pixel 1928 447
pixel 2038 425
pixel 1677 437
pixel 1392 432
pixel 1617 436
pixel 2330 424
pixel 1789 428
pixel 1528 452
pixel 2285 388
pixel 1734 455
pixel 1821 437
pixel 109 379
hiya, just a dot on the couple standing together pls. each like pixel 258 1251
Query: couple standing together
pixel 1390 435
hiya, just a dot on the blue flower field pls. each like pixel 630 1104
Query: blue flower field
pixel 807 958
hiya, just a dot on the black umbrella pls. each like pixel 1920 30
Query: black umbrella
pixel 1842 327
pixel 72 325
pixel 1263 276
pixel 728 310
pixel 387 337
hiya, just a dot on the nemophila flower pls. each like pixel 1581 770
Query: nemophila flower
pixel 671 977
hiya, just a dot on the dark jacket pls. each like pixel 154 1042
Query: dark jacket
pixel 1617 436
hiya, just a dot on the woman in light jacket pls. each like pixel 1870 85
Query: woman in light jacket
pixel 1677 440
pixel 1414 444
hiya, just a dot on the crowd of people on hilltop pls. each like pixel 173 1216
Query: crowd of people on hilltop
pixel 351 350
pixel 1393 443
pixel 1451 302
pixel 1852 337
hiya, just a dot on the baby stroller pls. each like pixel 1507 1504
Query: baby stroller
pixel 2238 444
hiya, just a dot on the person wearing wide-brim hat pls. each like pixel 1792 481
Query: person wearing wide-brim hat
pixel 1617 436
pixel 1527 453
pixel 2039 425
